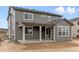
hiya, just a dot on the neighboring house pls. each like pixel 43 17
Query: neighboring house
pixel 75 28
pixel 3 34
pixel 27 25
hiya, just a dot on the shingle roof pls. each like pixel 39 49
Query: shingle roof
pixel 36 11
pixel 49 23
pixel 75 19
pixel 36 23
pixel 60 20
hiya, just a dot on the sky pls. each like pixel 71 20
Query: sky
pixel 68 12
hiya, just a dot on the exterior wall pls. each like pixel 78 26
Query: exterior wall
pixel 11 24
pixel 57 38
pixel 75 29
pixel 36 17
pixel 18 33
pixel 10 28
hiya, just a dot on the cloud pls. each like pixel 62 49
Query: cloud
pixel 70 10
pixel 62 10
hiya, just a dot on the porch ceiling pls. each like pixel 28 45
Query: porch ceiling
pixel 37 23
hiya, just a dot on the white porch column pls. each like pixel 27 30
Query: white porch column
pixel 54 33
pixel 40 34
pixel 23 33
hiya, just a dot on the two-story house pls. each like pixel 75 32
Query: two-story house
pixel 29 25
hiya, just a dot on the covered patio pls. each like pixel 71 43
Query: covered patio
pixel 37 32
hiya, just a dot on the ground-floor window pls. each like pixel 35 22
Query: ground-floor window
pixel 29 30
pixel 63 31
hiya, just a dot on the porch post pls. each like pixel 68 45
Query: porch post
pixel 54 33
pixel 23 33
pixel 40 34
pixel 71 33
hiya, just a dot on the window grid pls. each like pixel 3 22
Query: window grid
pixel 49 18
pixel 29 30
pixel 63 31
pixel 28 16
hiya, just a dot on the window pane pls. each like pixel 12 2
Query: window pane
pixel 63 33
pixel 30 16
pixel 26 16
pixel 26 30
pixel 59 33
pixel 67 33
pixel 29 32
pixel 63 29
pixel 59 29
pixel 66 29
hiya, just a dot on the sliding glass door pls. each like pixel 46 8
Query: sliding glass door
pixel 48 33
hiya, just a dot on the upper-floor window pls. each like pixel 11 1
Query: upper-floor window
pixel 28 16
pixel 63 31
pixel 78 23
pixel 49 18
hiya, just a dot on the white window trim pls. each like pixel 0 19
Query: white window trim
pixel 32 29
pixel 64 35
pixel 27 13
pixel 49 17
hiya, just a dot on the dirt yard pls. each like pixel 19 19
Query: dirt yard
pixel 54 47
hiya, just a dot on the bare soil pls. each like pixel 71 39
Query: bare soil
pixel 73 45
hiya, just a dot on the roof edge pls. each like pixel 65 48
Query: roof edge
pixel 33 10
pixel 69 22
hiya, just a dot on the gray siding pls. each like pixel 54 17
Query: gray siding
pixel 63 23
pixel 18 33
pixel 36 17
pixel 10 28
